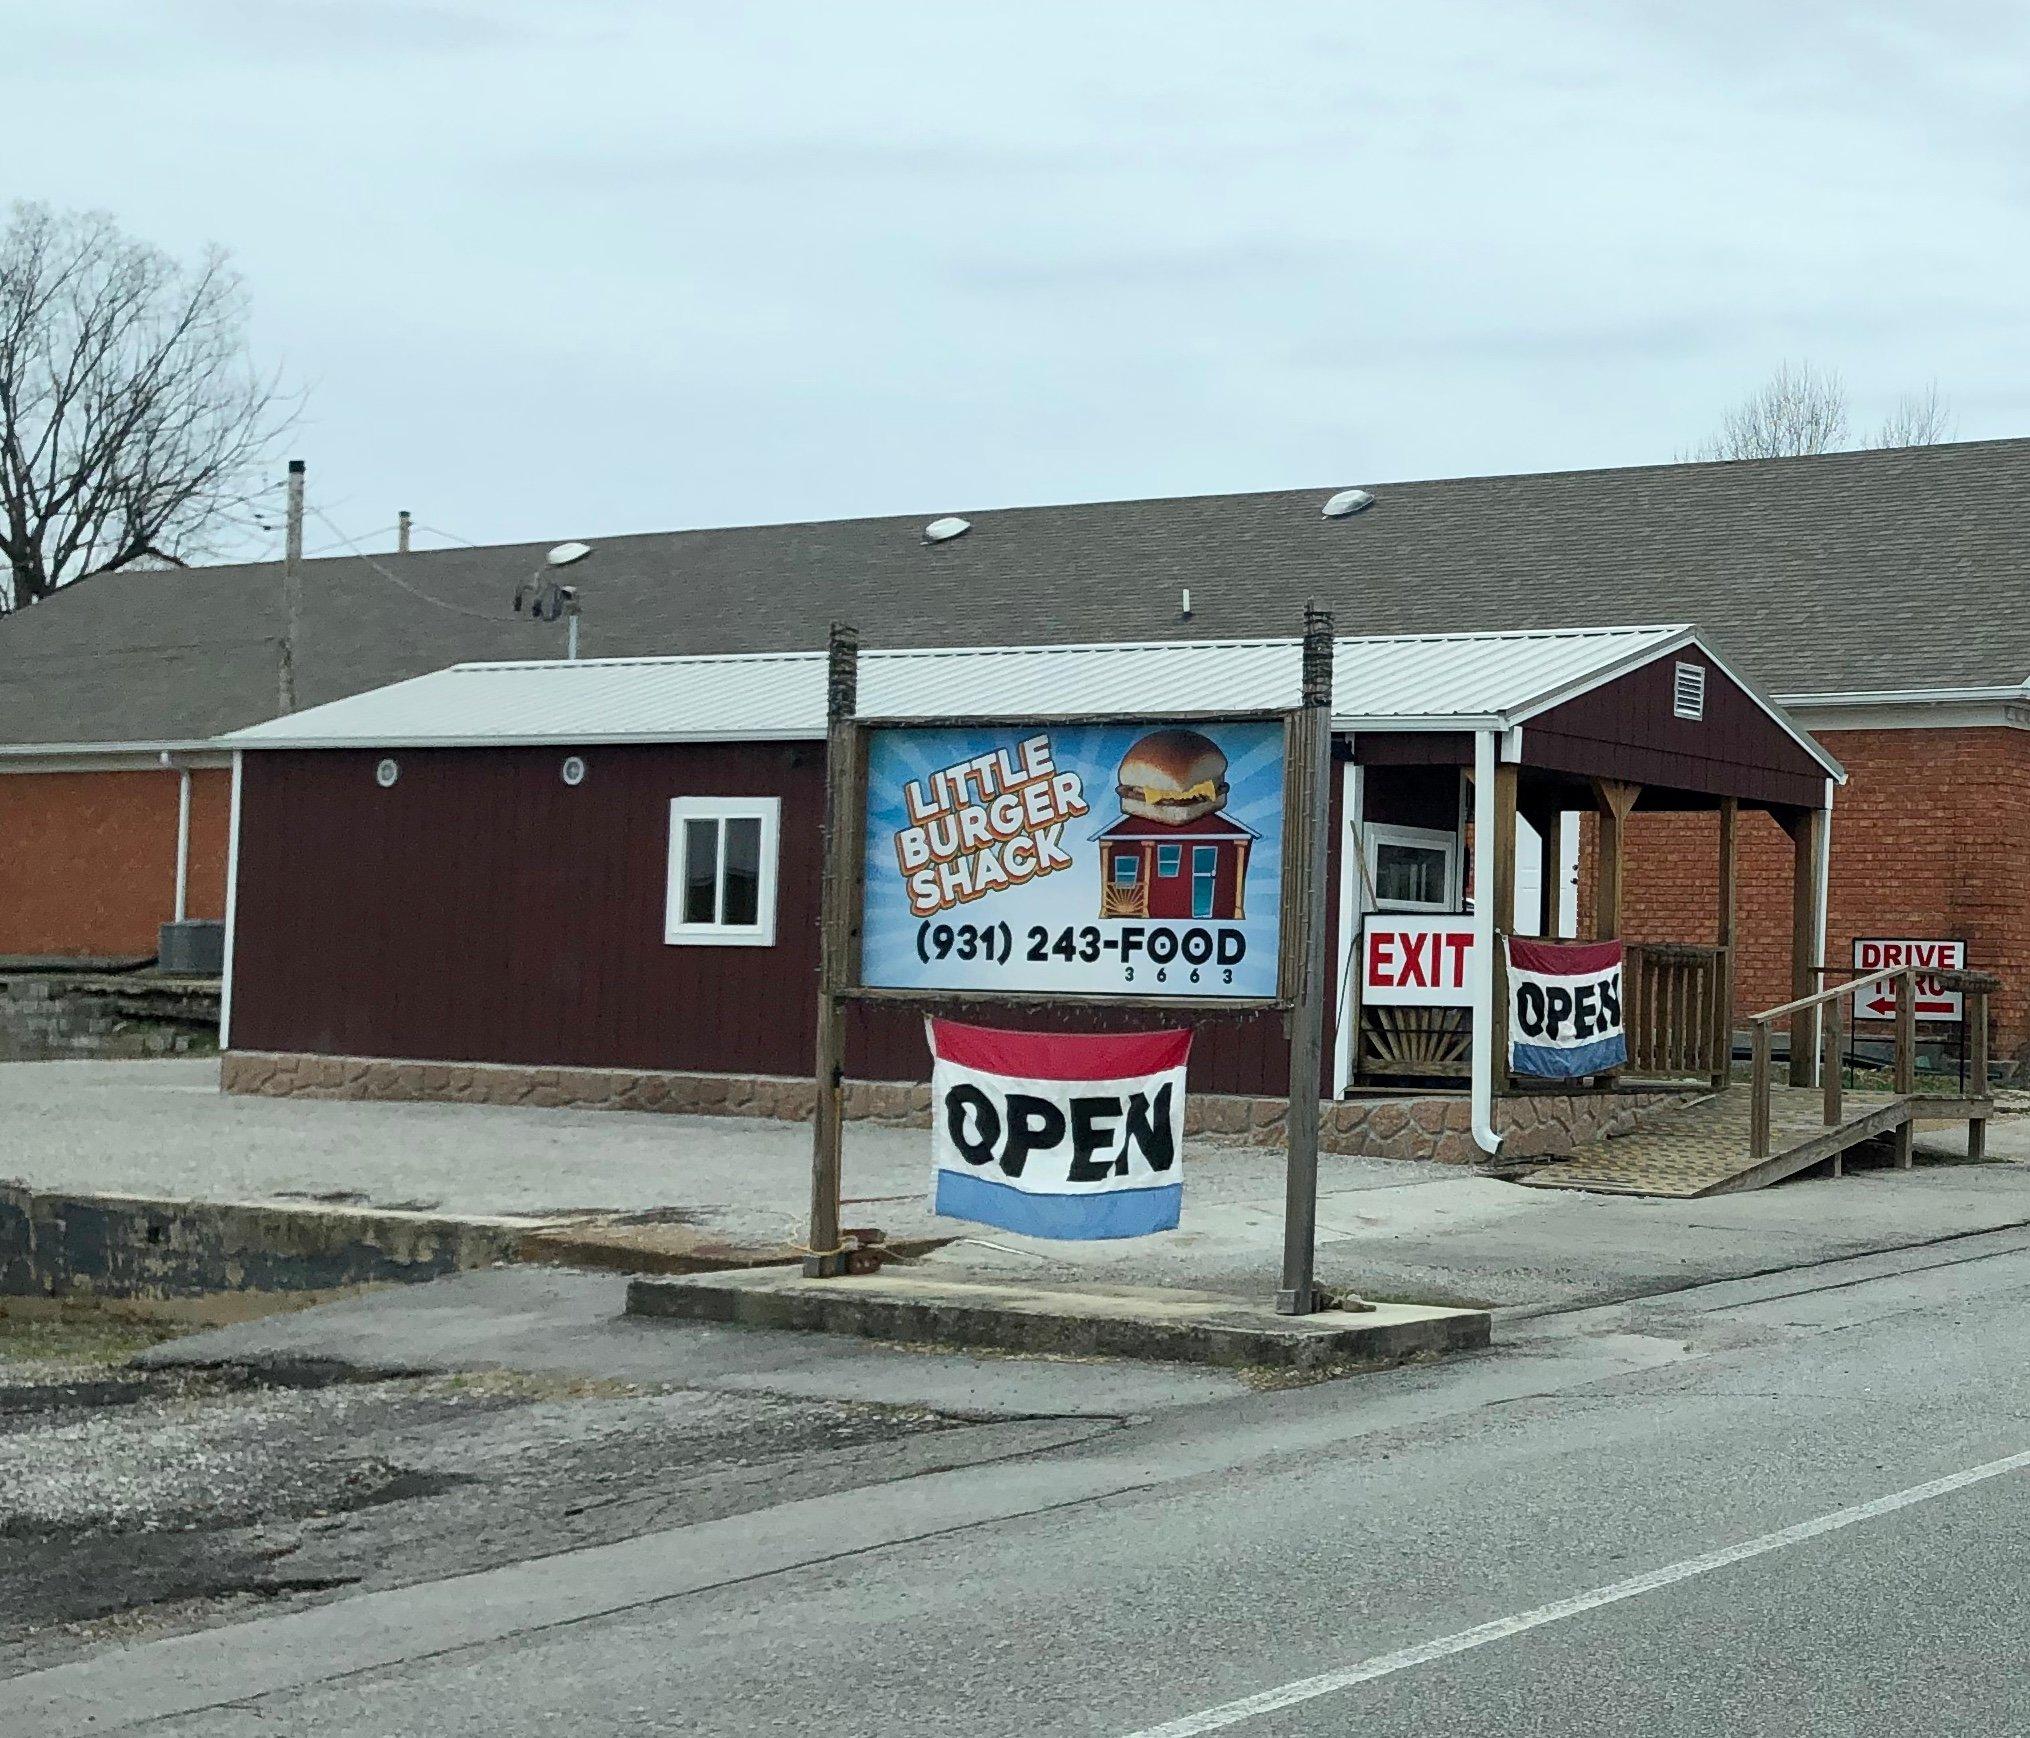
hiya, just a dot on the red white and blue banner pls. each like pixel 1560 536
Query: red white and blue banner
pixel 1068 1135
pixel 1564 1008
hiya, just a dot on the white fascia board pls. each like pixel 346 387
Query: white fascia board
pixel 253 745
pixel 182 745
pixel 1920 715
pixel 84 758
pixel 1427 722
pixel 1970 708
pixel 1906 696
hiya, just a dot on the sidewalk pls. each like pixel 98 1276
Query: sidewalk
pixel 1393 1230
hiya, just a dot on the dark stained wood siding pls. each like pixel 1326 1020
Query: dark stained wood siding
pixel 1625 729
pixel 481 910
pixel 1413 747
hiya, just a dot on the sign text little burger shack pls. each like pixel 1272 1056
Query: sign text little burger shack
pixel 1114 859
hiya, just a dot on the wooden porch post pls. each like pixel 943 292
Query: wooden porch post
pixel 1807 828
pixel 1615 800
pixel 1502 896
pixel 1723 974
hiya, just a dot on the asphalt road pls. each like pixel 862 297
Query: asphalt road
pixel 1798 1503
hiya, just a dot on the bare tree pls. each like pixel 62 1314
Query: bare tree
pixel 131 417
pixel 1800 409
pixel 1920 419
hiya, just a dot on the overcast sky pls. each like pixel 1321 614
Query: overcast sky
pixel 598 266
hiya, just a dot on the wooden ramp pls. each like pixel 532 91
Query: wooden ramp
pixel 1702 1148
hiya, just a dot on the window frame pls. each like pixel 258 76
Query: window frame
pixel 677 932
pixel 1379 833
pixel 1130 861
pixel 1209 875
pixel 1176 855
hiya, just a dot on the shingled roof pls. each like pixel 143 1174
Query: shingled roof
pixel 1846 573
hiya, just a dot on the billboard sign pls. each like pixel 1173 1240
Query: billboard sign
pixel 1934 1000
pixel 1416 962
pixel 1111 859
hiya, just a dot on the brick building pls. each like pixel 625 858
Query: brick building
pixel 1877 595
pixel 1930 836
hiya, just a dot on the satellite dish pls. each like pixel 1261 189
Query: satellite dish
pixel 1347 503
pixel 566 553
pixel 944 530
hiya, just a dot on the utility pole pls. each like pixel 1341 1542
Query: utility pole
pixel 292 584
pixel 402 532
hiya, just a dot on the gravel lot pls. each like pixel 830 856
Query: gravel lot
pixel 150 1501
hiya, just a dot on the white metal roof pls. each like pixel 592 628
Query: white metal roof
pixel 1128 680
pixel 1391 682
pixel 751 697
pixel 1411 680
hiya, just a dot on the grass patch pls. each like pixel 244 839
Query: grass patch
pixel 83 1338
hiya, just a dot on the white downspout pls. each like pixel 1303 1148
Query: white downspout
pixel 1822 873
pixel 183 847
pixel 1484 881
pixel 168 764
pixel 1350 835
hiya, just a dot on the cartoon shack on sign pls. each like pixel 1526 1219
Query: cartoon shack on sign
pixel 1173 853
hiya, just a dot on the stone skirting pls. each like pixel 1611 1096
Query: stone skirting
pixel 1535 1125
pixel 59 1016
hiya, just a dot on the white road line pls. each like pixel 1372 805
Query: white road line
pixel 1382 1665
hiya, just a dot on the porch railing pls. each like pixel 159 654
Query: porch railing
pixel 1837 1005
pixel 1678 1019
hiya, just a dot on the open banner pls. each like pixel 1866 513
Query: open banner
pixel 1564 1008
pixel 1068 1135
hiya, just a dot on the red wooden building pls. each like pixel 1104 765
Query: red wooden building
pixel 477 867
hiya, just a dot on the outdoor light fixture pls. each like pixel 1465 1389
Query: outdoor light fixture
pixel 542 599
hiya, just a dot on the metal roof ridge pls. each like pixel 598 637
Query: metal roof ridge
pixel 657 660
pixel 1662 630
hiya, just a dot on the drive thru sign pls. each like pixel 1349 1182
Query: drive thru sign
pixel 1934 1000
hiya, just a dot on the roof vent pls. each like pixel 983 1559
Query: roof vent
pixel 1688 691
pixel 944 530
pixel 1347 503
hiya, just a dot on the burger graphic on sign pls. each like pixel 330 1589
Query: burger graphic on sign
pixel 1173 852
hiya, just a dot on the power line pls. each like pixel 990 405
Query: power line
pixel 402 584
pixel 327 548
pixel 448 536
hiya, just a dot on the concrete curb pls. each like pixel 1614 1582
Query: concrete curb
pixel 616 1246
pixel 128 1247
pixel 1111 1321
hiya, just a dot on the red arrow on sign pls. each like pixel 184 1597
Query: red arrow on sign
pixel 1883 1007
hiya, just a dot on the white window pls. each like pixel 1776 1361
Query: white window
pixel 1412 868
pixel 1688 691
pixel 722 872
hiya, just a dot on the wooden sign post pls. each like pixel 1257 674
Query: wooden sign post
pixel 825 1253
pixel 1306 834
pixel 1296 987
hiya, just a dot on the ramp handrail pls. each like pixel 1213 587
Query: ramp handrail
pixel 1975 986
